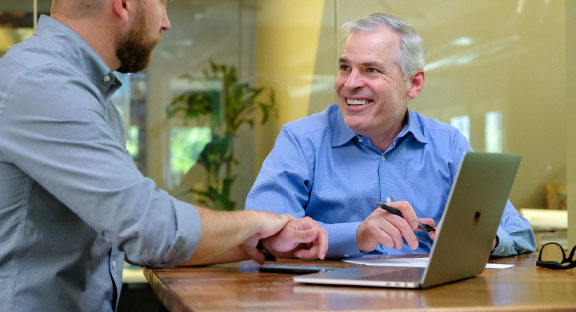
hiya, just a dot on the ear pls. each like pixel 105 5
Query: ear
pixel 120 9
pixel 416 83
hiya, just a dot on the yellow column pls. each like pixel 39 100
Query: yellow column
pixel 287 33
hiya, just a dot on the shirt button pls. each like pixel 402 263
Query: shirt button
pixel 360 140
pixel 106 78
pixel 113 264
pixel 383 158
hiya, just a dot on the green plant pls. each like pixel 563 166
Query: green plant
pixel 227 110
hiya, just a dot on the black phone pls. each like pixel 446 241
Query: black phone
pixel 293 269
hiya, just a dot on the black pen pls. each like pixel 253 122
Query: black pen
pixel 394 211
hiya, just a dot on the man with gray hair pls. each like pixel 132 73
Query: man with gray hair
pixel 335 165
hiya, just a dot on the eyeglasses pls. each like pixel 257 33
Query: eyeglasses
pixel 552 256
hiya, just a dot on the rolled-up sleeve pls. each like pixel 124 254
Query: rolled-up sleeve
pixel 61 138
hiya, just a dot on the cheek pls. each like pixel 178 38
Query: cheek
pixel 338 84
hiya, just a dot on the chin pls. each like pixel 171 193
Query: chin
pixel 354 123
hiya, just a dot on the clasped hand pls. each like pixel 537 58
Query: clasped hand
pixel 382 227
pixel 299 238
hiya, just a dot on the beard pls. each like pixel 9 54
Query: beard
pixel 135 51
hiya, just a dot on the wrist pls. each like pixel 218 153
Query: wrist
pixel 496 242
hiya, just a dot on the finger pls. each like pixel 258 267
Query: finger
pixel 289 240
pixel 386 240
pixel 250 249
pixel 431 234
pixel 428 221
pixel 317 249
pixel 322 243
pixel 255 255
pixel 289 216
pixel 407 212
pixel 303 235
pixel 404 232
pixel 372 232
pixel 272 223
pixel 307 253
pixel 388 235
pixel 398 238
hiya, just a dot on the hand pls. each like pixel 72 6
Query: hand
pixel 382 227
pixel 432 234
pixel 496 242
pixel 271 224
pixel 300 238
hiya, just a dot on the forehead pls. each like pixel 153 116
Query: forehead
pixel 378 44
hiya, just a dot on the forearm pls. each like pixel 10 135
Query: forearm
pixel 299 238
pixel 223 232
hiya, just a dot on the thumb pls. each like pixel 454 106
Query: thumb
pixel 255 255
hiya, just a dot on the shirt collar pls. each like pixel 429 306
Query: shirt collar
pixel 79 53
pixel 413 126
pixel 343 134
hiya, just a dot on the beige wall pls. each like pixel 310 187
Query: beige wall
pixel 515 63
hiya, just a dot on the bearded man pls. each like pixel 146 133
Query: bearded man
pixel 73 206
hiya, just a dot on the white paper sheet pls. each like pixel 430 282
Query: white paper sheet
pixel 411 262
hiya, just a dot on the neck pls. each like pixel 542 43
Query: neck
pixel 384 139
pixel 99 33
pixel 383 142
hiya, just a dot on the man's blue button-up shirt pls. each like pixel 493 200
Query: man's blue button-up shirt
pixel 320 168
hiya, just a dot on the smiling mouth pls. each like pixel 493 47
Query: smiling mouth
pixel 352 102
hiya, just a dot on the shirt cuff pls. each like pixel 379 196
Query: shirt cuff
pixel 505 245
pixel 342 240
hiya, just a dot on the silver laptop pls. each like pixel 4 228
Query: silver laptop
pixel 469 223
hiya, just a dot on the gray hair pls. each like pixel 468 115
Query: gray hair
pixel 412 52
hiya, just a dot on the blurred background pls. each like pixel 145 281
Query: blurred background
pixel 498 70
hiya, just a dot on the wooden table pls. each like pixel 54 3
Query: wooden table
pixel 240 287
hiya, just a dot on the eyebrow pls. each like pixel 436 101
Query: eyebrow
pixel 365 64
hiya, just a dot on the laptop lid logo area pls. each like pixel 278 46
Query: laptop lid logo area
pixel 476 217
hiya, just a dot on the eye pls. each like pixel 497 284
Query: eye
pixel 344 67
pixel 372 70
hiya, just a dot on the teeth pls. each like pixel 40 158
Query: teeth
pixel 355 102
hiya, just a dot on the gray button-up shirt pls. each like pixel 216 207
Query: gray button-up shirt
pixel 73 205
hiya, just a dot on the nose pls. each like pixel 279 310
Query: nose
pixel 166 22
pixel 354 80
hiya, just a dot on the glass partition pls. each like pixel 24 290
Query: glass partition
pixel 495 69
